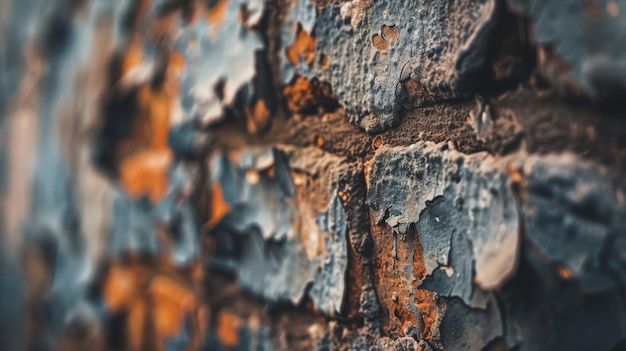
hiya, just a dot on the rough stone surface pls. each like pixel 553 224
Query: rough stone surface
pixel 204 175
pixel 456 202
pixel 286 230
pixel 382 57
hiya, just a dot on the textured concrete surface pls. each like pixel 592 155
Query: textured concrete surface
pixel 297 175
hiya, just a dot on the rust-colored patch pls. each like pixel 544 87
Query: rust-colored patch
pixel 257 117
pixel 319 141
pixel 156 297
pixel 171 303
pixel 298 94
pixel 324 61
pixel 377 142
pixel 398 292
pixel 145 173
pixel 394 292
pixel 380 43
pixel 136 323
pixel 563 271
pixel 176 63
pixel 345 197
pixel 144 156
pixel 227 328
pixel 514 173
pixel 612 8
pixel 215 14
pixel 303 46
pixel 120 287
pixel 592 9
pixel 304 96
pixel 390 33
pixel 413 88
pixel 218 205
pixel 133 56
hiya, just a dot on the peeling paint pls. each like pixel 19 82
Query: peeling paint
pixel 374 47
pixel 285 233
pixel 448 195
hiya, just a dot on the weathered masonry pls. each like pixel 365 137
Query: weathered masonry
pixel 313 175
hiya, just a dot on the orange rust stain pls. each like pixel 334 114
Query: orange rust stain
pixel 171 303
pixel 390 33
pixel 392 289
pixel 612 9
pixel 145 173
pixel 563 271
pixel 156 105
pixel 257 116
pixel 427 305
pixel 218 205
pixel 136 324
pixel 298 94
pixel 592 9
pixel 215 14
pixel 319 141
pixel 176 63
pixel 413 88
pixel 303 46
pixel 377 142
pixel 120 287
pixel 380 43
pixel 324 62
pixel 227 328
pixel 396 291
pixel 156 296
pixel 345 197
pixel 514 173
pixel 309 96
pixel 144 155
pixel 133 56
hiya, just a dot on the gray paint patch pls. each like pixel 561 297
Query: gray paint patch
pixel 278 245
pixel 572 211
pixel 219 54
pixel 462 207
pixel 463 328
pixel 375 47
